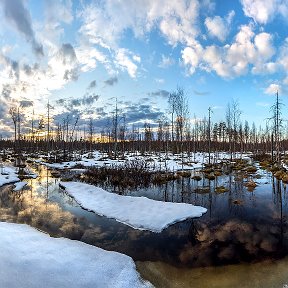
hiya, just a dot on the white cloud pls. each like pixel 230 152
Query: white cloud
pixel 216 27
pixel 208 5
pixel 273 88
pixel 177 22
pixel 89 57
pixel 136 58
pixel 191 57
pixel 260 10
pixel 247 51
pixel 213 60
pixel 265 68
pixel 264 11
pixel 219 27
pixel 124 62
pixel 263 43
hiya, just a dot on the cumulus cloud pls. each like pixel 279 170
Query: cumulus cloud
pixel 263 45
pixel 17 14
pixel 264 11
pixel 176 21
pixel 191 57
pixel 219 27
pixel 273 88
pixel 247 51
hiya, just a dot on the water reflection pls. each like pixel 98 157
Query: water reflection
pixel 240 225
pixel 267 274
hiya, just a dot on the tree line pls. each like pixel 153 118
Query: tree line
pixel 176 132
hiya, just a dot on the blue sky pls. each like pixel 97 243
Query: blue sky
pixel 81 55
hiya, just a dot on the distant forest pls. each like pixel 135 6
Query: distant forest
pixel 175 133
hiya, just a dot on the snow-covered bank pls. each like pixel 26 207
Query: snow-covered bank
pixel 138 212
pixel 30 258
pixel 19 186
pixel 8 175
pixel 160 162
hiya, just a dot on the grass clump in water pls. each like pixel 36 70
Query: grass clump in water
pixel 221 189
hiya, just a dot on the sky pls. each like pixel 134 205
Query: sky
pixel 82 55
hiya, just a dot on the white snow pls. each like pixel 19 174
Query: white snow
pixel 8 175
pixel 19 186
pixel 32 259
pixel 153 162
pixel 138 212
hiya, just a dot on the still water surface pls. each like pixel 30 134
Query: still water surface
pixel 241 227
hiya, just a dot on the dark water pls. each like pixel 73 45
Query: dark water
pixel 240 225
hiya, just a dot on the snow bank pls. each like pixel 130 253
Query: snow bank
pixel 8 175
pixel 155 163
pixel 19 186
pixel 138 212
pixel 32 259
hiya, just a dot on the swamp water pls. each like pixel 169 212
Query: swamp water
pixel 240 226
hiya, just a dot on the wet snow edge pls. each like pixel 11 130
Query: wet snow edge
pixel 137 212
pixel 31 258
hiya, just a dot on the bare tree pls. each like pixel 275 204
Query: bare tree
pixel 276 130
pixel 172 104
pixel 15 118
pixel 232 119
pixel 181 111
pixel 91 133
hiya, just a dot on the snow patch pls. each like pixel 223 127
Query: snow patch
pixel 19 186
pixel 160 162
pixel 32 259
pixel 8 175
pixel 138 212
